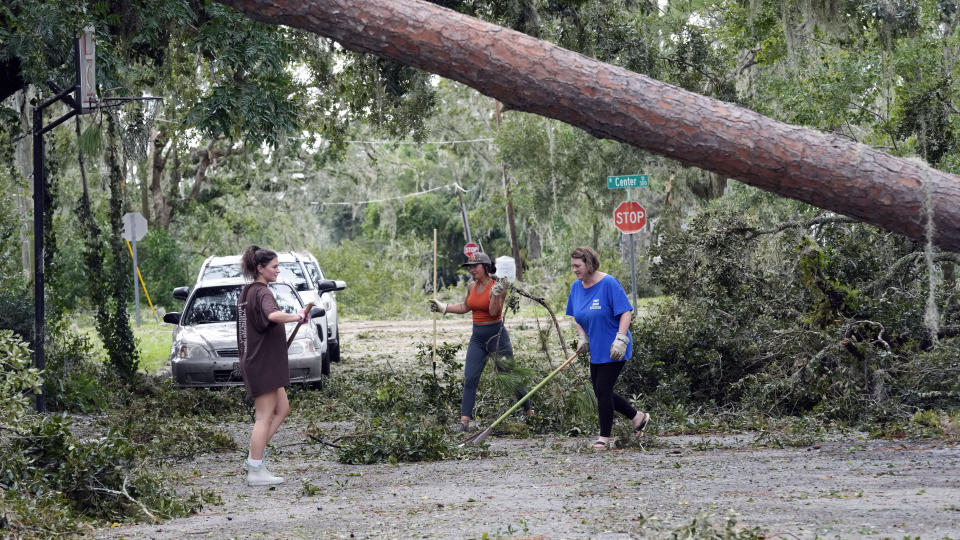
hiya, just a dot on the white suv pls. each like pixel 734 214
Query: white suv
pixel 293 270
pixel 328 301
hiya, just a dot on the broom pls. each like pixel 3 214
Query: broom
pixel 485 433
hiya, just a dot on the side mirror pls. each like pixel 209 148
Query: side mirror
pixel 327 285
pixel 180 293
pixel 317 311
pixel 172 318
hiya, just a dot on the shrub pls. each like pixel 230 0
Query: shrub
pixel 45 468
pixel 19 381
pixel 16 311
pixel 780 308
pixel 75 378
pixel 404 438
pixel 54 482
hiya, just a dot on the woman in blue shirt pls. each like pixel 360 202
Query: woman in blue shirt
pixel 602 312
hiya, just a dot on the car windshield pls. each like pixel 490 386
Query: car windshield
pixel 222 272
pixel 219 304
pixel 315 274
pixel 292 272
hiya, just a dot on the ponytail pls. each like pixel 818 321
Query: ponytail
pixel 254 257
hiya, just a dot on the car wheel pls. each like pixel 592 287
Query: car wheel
pixel 333 347
pixel 325 364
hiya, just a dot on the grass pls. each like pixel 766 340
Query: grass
pixel 153 341
pixel 153 338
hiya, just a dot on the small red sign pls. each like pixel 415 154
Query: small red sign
pixel 470 249
pixel 629 217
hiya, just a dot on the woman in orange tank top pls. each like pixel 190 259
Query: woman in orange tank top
pixel 485 296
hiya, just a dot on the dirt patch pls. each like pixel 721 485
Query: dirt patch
pixel 557 487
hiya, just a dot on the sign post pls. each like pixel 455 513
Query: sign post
pixel 629 217
pixel 134 228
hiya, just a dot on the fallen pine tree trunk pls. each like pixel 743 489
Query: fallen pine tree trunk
pixel 528 74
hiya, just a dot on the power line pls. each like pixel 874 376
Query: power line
pixel 424 142
pixel 417 194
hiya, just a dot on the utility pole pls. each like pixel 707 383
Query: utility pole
pixel 463 212
pixel 511 222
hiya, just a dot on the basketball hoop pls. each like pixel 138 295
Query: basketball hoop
pixel 81 98
pixel 135 118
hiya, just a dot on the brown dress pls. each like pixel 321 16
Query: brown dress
pixel 262 342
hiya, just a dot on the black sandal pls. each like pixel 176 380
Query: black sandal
pixel 638 430
pixel 599 445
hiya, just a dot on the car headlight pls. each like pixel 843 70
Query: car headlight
pixel 191 351
pixel 301 346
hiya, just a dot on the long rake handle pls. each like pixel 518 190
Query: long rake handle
pixel 434 295
pixel 299 324
pixel 532 392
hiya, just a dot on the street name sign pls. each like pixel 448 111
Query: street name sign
pixel 628 181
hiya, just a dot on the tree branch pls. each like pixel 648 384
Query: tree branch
pixel 822 220
pixel 543 303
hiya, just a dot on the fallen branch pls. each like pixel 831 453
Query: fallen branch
pixel 321 441
pixel 125 494
pixel 543 303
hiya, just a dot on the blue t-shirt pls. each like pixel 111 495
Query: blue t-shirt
pixel 597 310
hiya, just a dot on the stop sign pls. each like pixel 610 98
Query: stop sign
pixel 470 249
pixel 629 217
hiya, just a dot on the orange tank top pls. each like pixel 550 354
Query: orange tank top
pixel 479 303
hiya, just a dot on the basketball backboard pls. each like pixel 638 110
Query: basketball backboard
pixel 87 70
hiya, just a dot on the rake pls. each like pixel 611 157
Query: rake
pixel 299 324
pixel 485 433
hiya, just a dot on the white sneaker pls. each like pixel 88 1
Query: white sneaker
pixel 260 476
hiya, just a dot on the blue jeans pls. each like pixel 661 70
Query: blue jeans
pixel 485 340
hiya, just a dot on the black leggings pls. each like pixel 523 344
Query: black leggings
pixel 603 377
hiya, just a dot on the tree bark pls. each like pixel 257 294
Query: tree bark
pixel 528 74
pixel 158 196
pixel 23 153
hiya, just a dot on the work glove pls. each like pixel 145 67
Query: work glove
pixel 583 346
pixel 498 287
pixel 303 315
pixel 438 306
pixel 619 347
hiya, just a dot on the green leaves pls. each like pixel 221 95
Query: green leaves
pixel 18 381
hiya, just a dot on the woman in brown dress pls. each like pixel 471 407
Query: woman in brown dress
pixel 262 341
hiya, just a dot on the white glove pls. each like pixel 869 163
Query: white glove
pixel 619 347
pixel 584 344
pixel 438 306
pixel 498 287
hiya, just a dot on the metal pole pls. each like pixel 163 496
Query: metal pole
pixel 39 212
pixel 633 266
pixel 39 328
pixel 463 214
pixel 136 289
